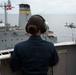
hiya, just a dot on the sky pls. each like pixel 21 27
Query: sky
pixel 44 6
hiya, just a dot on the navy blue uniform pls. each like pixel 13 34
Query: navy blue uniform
pixel 33 56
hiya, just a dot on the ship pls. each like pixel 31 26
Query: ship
pixel 1 21
pixel 11 35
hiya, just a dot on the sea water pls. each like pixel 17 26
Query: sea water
pixel 56 23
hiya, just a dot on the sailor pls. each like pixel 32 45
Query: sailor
pixel 34 56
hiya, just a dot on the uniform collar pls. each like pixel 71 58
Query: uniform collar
pixel 35 37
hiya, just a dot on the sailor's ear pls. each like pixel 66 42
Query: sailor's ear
pixel 26 28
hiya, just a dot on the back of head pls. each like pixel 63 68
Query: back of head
pixel 36 23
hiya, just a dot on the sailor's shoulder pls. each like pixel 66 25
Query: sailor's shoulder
pixel 20 44
pixel 48 43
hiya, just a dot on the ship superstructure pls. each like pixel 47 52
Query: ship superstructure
pixel 11 35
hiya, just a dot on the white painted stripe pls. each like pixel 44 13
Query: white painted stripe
pixel 6 56
pixel 65 43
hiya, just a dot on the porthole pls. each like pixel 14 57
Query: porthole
pixel 21 38
pixel 11 39
pixel 11 44
pixel 5 45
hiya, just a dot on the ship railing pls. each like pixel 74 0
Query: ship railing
pixel 5 54
pixel 66 65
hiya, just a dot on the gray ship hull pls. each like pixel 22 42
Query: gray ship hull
pixel 9 39
pixel 11 35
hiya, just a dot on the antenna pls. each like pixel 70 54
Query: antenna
pixel 5 6
pixel 71 26
pixel 9 3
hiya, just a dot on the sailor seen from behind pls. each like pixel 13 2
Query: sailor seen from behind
pixel 34 56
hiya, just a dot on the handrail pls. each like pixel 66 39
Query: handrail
pixel 5 54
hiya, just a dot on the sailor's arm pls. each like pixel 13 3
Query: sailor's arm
pixel 15 62
pixel 54 57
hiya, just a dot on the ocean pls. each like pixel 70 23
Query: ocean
pixel 56 23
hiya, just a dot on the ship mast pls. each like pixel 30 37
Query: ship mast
pixel 5 6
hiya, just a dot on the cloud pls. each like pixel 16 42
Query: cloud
pixel 53 6
pixel 47 6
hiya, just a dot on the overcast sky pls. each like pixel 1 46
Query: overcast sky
pixel 45 6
